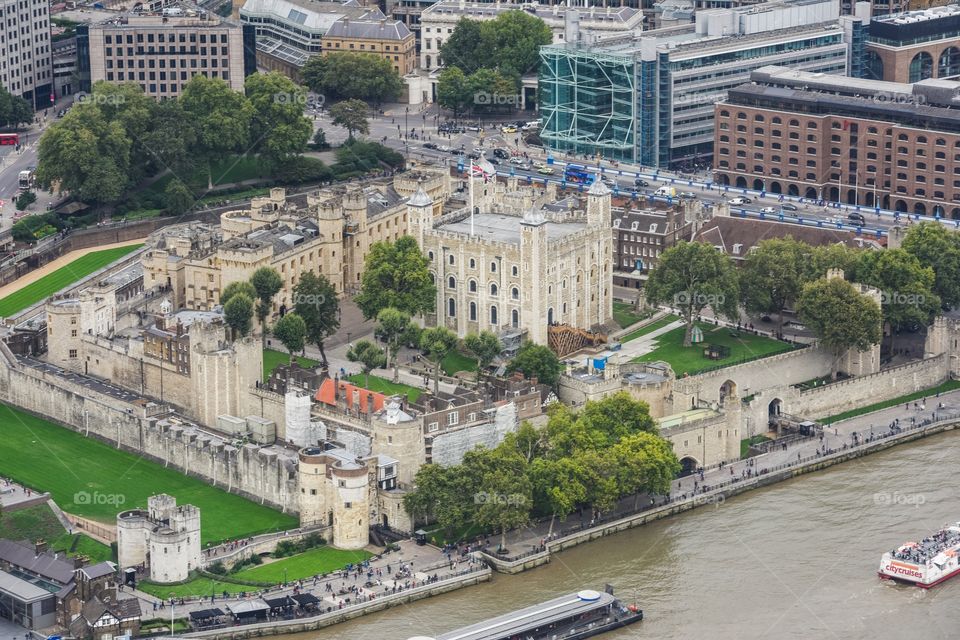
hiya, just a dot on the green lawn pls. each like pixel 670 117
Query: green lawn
pixel 61 278
pixel 949 385
pixel 690 360
pixel 745 444
pixel 303 565
pixel 199 586
pixel 31 523
pixel 625 315
pixel 384 386
pixel 81 545
pixel 95 480
pixel 226 171
pixel 272 358
pixel 456 361
pixel 650 328
pixel 235 195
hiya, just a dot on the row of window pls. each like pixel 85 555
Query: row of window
pixel 494 313
pixel 472 263
pixel 164 37
pixel 472 287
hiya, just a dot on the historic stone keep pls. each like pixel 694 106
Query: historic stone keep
pixel 165 537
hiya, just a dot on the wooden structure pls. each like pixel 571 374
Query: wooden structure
pixel 564 339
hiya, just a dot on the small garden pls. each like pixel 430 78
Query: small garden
pixel 650 328
pixel 272 359
pixel 625 314
pixel 740 347
pixel 291 560
pixel 386 387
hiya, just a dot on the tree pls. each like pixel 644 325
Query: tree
pixel 645 463
pixel 352 116
pixel 14 110
pixel 355 76
pixel 126 104
pixel 267 283
pixel 238 313
pixel 396 274
pixel 488 89
pixel 558 485
pixel 221 117
pixel 514 38
pixel 692 276
pixel 170 140
pixel 906 287
pixel 938 248
pixel 394 329
pixel 177 197
pixel 291 330
pixel 505 497
pixel 436 343
pixel 464 48
pixel 315 300
pixel 320 140
pixel 840 316
pixel 25 199
pixel 235 287
pixel 86 155
pixel 617 416
pixel 833 256
pixel 536 361
pixel 453 91
pixel 313 73
pixel 773 276
pixel 278 128
pixel 370 357
pixel 485 347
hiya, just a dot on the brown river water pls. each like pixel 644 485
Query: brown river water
pixel 795 560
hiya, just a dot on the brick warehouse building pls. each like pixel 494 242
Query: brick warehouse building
pixel 914 46
pixel 866 142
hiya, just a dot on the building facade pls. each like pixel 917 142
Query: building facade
pixel 913 46
pixel 641 235
pixel 165 537
pixel 841 139
pixel 439 20
pixel 26 57
pixel 518 265
pixel 649 98
pixel 388 39
pixel 288 32
pixel 162 51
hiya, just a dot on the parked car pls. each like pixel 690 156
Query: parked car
pixel 687 195
pixel 545 170
pixel 769 210
pixel 786 206
pixel 429 145
pixel 640 182
pixel 508 129
pixel 474 127
pixel 740 200
pixel 503 154
pixel 444 148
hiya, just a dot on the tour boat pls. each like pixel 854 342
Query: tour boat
pixel 926 563
pixel 571 617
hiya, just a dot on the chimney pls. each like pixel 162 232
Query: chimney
pixel 78 562
pixel 40 546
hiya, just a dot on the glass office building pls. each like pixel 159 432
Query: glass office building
pixel 649 98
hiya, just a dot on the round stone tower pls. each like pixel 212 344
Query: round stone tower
pixel 132 533
pixel 312 478
pixel 351 505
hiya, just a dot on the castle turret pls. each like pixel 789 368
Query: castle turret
pixel 538 312
pixel 312 475
pixel 420 214
pixel 351 504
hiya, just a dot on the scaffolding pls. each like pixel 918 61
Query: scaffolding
pixel 588 102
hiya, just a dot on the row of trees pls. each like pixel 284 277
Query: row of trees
pixel 358 76
pixel 118 136
pixel 14 110
pixel 609 450
pixel 916 281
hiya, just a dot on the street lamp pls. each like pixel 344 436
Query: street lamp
pixel 171 613
pixel 406 128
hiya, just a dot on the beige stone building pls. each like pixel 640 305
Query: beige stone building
pixel 162 51
pixel 524 262
pixel 329 232
pixel 389 39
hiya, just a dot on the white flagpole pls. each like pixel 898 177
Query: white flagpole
pixel 470 178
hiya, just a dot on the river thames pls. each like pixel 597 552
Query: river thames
pixel 795 560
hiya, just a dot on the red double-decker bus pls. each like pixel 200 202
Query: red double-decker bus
pixel 9 138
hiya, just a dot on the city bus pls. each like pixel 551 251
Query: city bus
pixel 9 138
pixel 578 174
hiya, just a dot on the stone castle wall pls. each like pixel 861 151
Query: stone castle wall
pixel 254 472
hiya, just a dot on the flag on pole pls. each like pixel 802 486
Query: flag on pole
pixel 482 169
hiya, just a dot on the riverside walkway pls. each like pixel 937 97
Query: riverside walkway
pixel 842 436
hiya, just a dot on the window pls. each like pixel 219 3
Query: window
pixel 433 426
pixel 430 256
pixel 451 259
pixel 452 308
pixel 451 283
pixel 473 263
pixel 514 271
pixel 473 311
pixel 472 286
pixel 73 353
pixel 453 418
pixel 494 289
pixel 515 293
pixel 493 315
pixel 493 267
